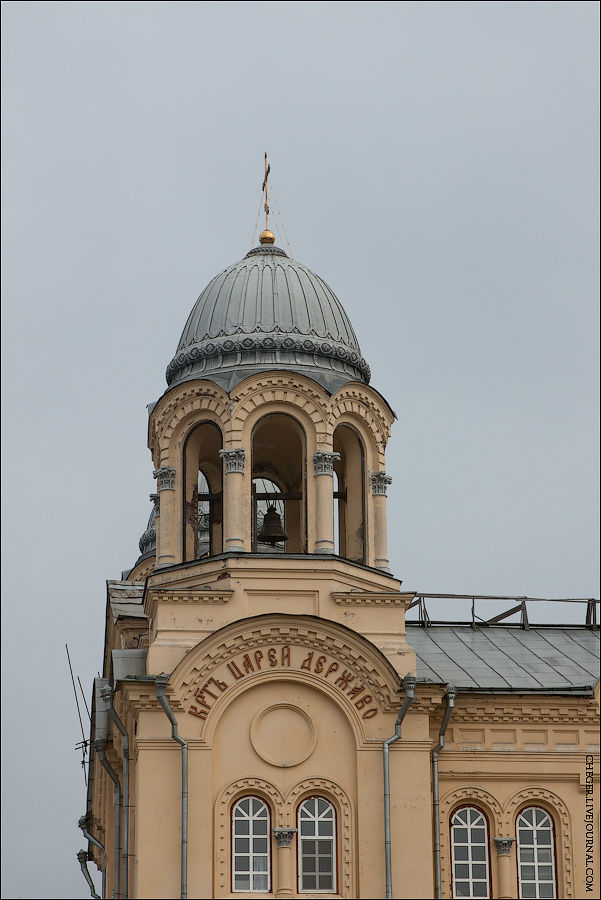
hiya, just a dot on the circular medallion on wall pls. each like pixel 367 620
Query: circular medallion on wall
pixel 283 735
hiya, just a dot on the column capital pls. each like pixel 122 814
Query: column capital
pixel 284 836
pixel 323 462
pixel 234 459
pixel 165 477
pixel 503 845
pixel 379 483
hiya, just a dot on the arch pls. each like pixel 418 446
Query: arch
pixel 469 855
pixel 339 798
pixel 453 800
pixel 295 392
pixel 200 454
pixel 557 809
pixel 350 505
pixel 279 453
pixel 176 412
pixel 536 850
pixel 224 802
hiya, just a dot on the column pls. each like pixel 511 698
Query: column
pixel 379 485
pixel 323 465
pixel 156 499
pixel 503 845
pixel 166 532
pixel 233 506
pixel 283 837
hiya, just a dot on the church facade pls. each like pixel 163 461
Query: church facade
pixel 267 723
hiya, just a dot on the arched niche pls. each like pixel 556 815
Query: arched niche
pixel 349 494
pixel 203 486
pixel 279 479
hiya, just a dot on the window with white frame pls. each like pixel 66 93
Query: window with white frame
pixel 251 865
pixel 469 850
pixel 536 853
pixel 316 845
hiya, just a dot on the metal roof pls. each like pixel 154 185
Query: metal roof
pixel 268 312
pixel 506 658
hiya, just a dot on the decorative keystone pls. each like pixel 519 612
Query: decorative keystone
pixel 234 459
pixel 379 483
pixel 165 477
pixel 503 845
pixel 323 463
pixel 156 499
pixel 284 836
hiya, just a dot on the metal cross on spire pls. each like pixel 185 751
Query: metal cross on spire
pixel 267 236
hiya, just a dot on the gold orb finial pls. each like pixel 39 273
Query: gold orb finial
pixel 267 237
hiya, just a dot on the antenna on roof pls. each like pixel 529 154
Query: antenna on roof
pixel 83 744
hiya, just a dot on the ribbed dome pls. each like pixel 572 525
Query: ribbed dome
pixel 268 312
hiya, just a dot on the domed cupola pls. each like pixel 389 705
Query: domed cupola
pixel 268 312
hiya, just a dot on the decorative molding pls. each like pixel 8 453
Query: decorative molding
pixel 463 796
pixel 223 805
pixel 503 845
pixel 283 836
pixel 371 598
pixel 234 459
pixel 557 809
pixel 344 815
pixel 208 597
pixel 379 483
pixel 323 462
pixel 165 476
pixel 548 710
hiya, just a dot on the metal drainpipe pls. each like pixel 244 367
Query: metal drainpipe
pixel 82 856
pixel 161 684
pixel 99 747
pixel 107 695
pixel 83 822
pixel 450 703
pixel 409 683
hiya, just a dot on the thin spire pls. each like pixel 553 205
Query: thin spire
pixel 266 236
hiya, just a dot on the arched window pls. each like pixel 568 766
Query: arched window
pixel 316 845
pixel 251 863
pixel 349 494
pixel 536 853
pixel 203 474
pixel 469 848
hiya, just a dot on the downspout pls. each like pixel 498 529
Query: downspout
pixel 107 695
pixel 82 856
pixel 83 824
pixel 450 703
pixel 161 684
pixel 99 747
pixel 409 683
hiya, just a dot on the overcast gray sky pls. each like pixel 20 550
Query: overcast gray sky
pixel 434 162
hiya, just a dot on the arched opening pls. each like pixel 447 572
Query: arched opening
pixel 203 485
pixel 278 484
pixel 349 494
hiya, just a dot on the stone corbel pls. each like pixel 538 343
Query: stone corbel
pixel 234 459
pixel 323 462
pixel 165 477
pixel 379 483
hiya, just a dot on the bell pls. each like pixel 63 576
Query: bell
pixel 272 531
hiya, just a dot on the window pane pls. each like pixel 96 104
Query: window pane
pixel 528 873
pixel 528 890
pixel 324 847
pixel 460 835
pixel 478 852
pixel 307 828
pixel 527 854
pixel 461 852
pixel 308 864
pixel 308 847
pixel 480 889
pixel 242 863
pixel 543 855
pixel 309 882
pixel 526 837
pixel 325 882
pixel 462 889
pixel 546 890
pixel 325 864
pixel 479 871
pixel 242 845
pixel 545 873
pixel 260 845
pixel 260 883
pixel 462 871
pixel 326 827
pixel 260 863
pixel 543 836
pixel 242 883
pixel 477 835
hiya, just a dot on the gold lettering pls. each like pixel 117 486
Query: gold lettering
pixel 235 670
pixel 286 655
pixel 321 661
pixel 333 667
pixel 272 657
pixel 306 663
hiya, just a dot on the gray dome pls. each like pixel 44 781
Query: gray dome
pixel 268 311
